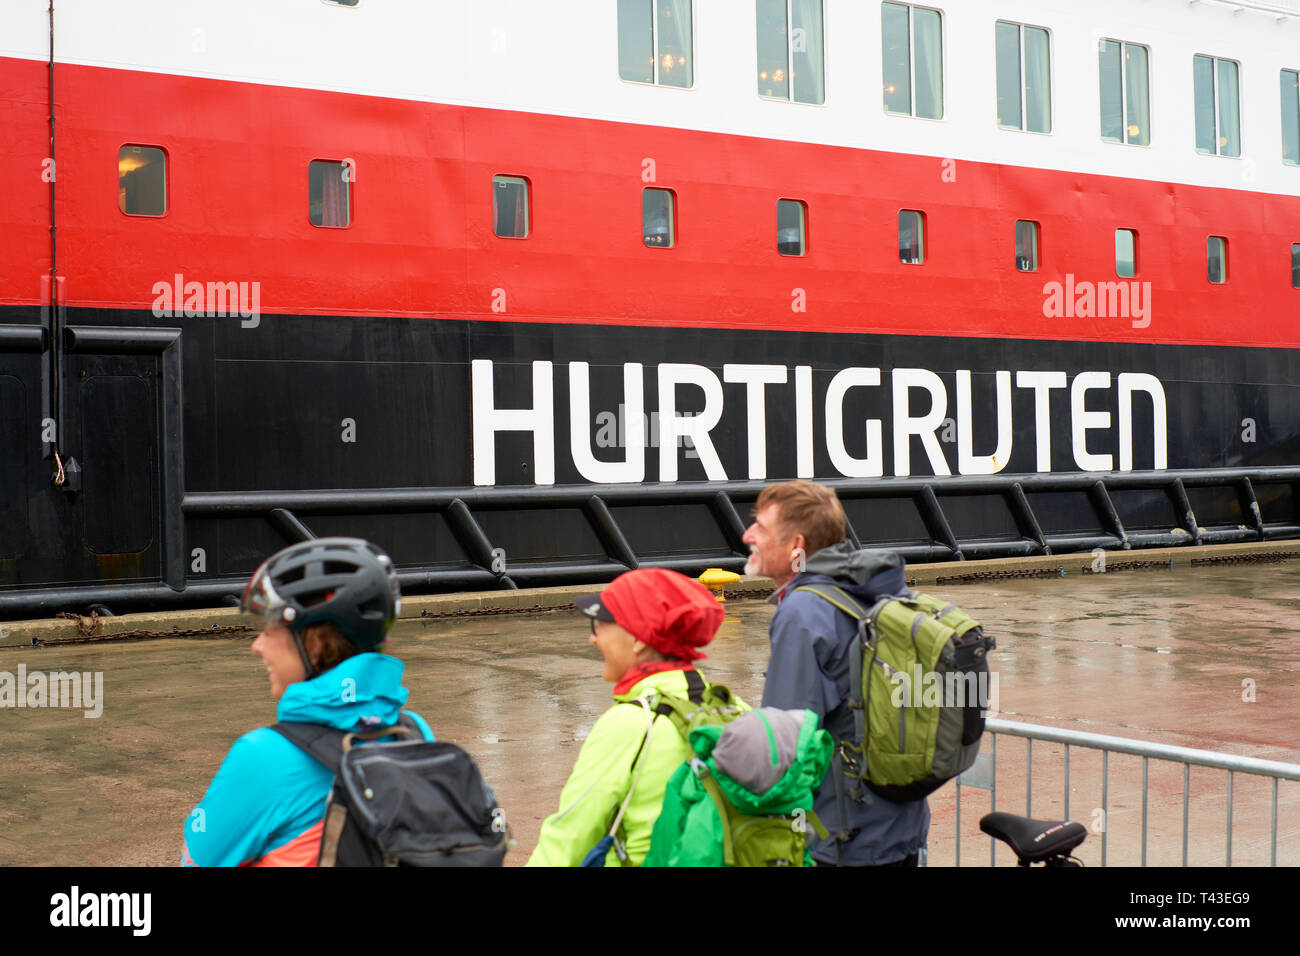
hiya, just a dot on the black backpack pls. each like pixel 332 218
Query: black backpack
pixel 407 803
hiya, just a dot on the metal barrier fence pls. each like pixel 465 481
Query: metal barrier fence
pixel 983 775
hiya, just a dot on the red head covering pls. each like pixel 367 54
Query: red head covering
pixel 664 609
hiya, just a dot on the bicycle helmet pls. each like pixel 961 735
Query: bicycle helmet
pixel 343 581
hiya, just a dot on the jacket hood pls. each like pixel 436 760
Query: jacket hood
pixel 363 691
pixel 768 760
pixel 870 572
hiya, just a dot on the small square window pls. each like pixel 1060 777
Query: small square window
pixel 1126 241
pixel 791 227
pixel 142 180
pixel 1295 265
pixel 510 207
pixel 658 218
pixel 911 237
pixel 1216 259
pixel 1026 245
pixel 329 193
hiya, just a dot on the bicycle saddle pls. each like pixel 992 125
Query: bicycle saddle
pixel 1034 841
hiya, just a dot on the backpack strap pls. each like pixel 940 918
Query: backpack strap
pixel 322 742
pixel 845 602
pixel 840 598
pixel 326 743
pixel 720 804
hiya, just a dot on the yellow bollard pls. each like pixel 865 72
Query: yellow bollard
pixel 715 578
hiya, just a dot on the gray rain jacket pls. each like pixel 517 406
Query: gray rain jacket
pixel 809 667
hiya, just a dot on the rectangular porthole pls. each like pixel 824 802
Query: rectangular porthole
pixel 1026 245
pixel 658 218
pixel 911 237
pixel 142 180
pixel 329 193
pixel 791 227
pixel 1295 265
pixel 1125 253
pixel 1216 259
pixel 510 218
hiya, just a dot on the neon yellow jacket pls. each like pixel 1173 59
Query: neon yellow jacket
pixel 603 775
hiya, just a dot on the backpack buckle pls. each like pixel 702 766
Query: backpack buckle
pixel 851 758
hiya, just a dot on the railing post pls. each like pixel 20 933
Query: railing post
pixel 1229 818
pixel 1145 762
pixel 1272 856
pixel 1067 781
pixel 958 824
pixel 993 800
pixel 1105 811
pixel 1187 782
pixel 1029 776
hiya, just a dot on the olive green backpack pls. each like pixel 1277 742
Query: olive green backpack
pixel 918 691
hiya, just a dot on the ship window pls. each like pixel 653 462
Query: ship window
pixel 791 227
pixel 1291 117
pixel 654 42
pixel 1218 119
pixel 510 207
pixel 1216 259
pixel 1026 245
pixel 1126 241
pixel 1295 265
pixel 658 218
pixel 1125 97
pixel 790 50
pixel 329 192
pixel 142 180
pixel 1024 77
pixel 911 41
pixel 911 236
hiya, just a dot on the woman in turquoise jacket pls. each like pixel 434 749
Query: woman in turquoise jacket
pixel 323 608
pixel 648 625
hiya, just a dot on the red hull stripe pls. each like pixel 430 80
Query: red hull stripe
pixel 421 241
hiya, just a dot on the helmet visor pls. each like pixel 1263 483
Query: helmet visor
pixel 262 606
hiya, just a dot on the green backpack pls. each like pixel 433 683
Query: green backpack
pixel 918 690
pixel 710 818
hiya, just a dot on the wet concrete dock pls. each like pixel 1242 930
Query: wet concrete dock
pixel 1204 657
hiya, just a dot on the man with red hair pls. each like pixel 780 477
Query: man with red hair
pixel 649 626
pixel 798 538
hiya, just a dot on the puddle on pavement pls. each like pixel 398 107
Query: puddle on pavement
pixel 1165 656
